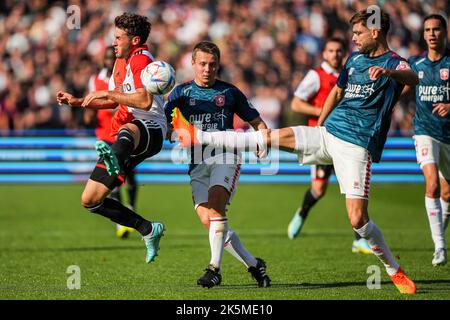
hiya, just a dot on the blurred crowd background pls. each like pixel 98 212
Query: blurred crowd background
pixel 267 48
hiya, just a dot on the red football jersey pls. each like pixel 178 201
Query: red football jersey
pixel 327 83
pixel 104 116
pixel 127 78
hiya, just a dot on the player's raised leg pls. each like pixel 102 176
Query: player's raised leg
pixel 252 141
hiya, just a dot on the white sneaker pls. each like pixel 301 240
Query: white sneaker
pixel 439 257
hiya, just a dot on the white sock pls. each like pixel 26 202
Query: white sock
pixel 217 235
pixel 234 246
pixel 445 212
pixel 434 213
pixel 251 141
pixel 373 235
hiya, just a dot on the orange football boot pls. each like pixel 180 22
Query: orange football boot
pixel 187 133
pixel 403 283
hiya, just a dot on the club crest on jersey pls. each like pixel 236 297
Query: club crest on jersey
pixel 402 65
pixel 420 74
pixel 350 72
pixel 192 102
pixel 220 100
pixel 444 74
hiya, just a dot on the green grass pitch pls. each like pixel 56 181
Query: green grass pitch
pixel 44 230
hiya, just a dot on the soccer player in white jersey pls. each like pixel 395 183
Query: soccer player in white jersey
pixel 351 132
pixel 432 128
pixel 139 123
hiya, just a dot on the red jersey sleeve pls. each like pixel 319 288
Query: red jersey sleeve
pixel 137 64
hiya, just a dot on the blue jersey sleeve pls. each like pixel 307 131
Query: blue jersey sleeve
pixel 398 63
pixel 243 108
pixel 343 75
pixel 342 79
pixel 174 100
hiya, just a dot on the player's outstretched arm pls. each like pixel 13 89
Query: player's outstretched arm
pixel 141 99
pixel 335 95
pixel 99 103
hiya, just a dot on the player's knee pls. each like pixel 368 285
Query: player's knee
pixel 132 130
pixel 357 218
pixel 432 189
pixel 205 221
pixel 320 192
pixel 89 201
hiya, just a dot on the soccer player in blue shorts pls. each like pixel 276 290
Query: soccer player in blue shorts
pixel 432 128
pixel 212 104
pixel 351 132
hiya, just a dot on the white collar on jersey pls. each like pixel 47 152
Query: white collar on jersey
pixel 328 69
pixel 103 74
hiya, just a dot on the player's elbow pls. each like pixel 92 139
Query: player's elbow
pixel 296 105
pixel 411 79
pixel 414 81
pixel 146 102
pixel 293 106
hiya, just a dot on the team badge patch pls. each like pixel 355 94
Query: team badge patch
pixel 402 65
pixel 192 102
pixel 220 100
pixel 444 74
pixel 420 74
pixel 350 72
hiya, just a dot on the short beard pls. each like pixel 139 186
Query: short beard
pixel 369 48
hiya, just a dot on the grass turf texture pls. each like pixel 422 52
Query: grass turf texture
pixel 43 230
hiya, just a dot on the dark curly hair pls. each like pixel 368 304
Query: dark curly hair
pixel 134 25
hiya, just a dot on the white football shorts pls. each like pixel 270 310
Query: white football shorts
pixel 204 176
pixel 352 163
pixel 430 150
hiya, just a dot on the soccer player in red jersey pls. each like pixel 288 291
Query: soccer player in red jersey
pixel 139 123
pixel 102 119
